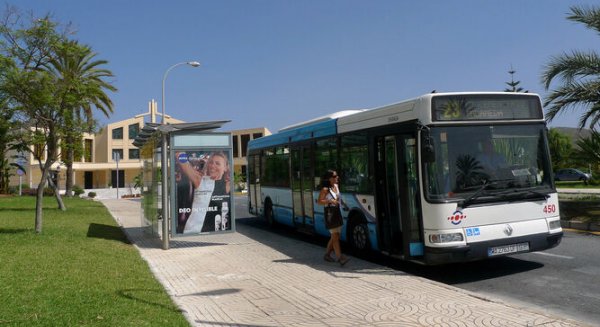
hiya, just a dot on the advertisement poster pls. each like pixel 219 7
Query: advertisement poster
pixel 203 199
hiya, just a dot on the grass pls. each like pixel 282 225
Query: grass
pixel 80 271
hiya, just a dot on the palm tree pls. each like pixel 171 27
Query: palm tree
pixel 589 150
pixel 561 150
pixel 579 73
pixel 84 87
pixel 469 172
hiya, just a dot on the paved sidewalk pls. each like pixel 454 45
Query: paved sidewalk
pixel 257 278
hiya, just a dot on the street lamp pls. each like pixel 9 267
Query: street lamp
pixel 165 159
pixel 191 63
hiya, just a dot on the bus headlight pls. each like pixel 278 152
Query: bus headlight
pixel 446 238
pixel 555 224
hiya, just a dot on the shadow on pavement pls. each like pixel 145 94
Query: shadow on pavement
pixel 452 274
pixel 223 291
pixel 455 274
pixel 181 244
pixel 294 245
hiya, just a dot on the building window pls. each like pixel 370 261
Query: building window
pixel 245 140
pixel 39 152
pixel 236 150
pixel 134 130
pixel 116 152
pixel 134 153
pixel 256 135
pixel 117 133
pixel 88 150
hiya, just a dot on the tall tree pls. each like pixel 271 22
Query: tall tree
pixel 589 150
pixel 83 86
pixel 579 75
pixel 29 46
pixel 560 148
pixel 9 145
pixel 513 86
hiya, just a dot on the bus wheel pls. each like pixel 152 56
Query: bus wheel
pixel 269 214
pixel 359 236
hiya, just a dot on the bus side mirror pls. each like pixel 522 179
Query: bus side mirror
pixel 427 148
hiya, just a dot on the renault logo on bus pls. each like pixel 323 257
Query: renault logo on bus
pixel 508 230
pixel 457 217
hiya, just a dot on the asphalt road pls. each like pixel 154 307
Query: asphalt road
pixel 564 281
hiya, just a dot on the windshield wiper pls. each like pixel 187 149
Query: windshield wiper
pixel 469 200
pixel 522 192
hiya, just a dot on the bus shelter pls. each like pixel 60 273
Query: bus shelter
pixel 197 195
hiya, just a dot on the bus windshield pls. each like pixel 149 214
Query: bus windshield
pixel 488 163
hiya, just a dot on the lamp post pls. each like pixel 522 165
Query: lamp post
pixel 191 63
pixel 165 159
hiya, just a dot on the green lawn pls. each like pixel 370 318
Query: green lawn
pixel 80 271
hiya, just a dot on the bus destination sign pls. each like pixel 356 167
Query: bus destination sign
pixel 486 107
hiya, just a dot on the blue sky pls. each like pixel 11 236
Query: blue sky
pixel 274 63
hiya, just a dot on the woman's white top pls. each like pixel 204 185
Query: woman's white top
pixel 202 196
pixel 333 195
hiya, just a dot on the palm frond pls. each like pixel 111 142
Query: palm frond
pixel 569 67
pixel 571 96
pixel 590 16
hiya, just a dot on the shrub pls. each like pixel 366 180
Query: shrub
pixel 92 194
pixel 14 189
pixel 77 190
pixel 29 191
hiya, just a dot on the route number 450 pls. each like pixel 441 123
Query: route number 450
pixel 550 208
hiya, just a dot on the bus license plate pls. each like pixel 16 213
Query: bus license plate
pixel 506 249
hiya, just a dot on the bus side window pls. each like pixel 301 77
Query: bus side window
pixel 354 159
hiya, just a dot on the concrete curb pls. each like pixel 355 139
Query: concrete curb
pixel 580 225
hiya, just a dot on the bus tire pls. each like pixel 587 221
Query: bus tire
pixel 358 235
pixel 268 213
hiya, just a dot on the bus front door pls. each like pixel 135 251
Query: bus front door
pixel 302 186
pixel 388 199
pixel 254 184
pixel 397 196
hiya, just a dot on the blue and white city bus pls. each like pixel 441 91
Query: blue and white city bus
pixel 415 178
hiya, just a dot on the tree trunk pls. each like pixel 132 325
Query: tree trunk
pixel 38 208
pixel 59 201
pixel 40 199
pixel 69 179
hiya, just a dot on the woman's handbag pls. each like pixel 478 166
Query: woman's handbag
pixel 333 217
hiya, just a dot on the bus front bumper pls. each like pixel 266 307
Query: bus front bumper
pixel 480 250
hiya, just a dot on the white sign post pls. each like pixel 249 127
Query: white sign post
pixel 117 157
pixel 21 161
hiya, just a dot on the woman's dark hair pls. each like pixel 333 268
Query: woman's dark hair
pixel 325 178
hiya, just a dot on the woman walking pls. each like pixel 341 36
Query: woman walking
pixel 330 198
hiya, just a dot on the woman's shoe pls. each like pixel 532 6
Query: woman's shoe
pixel 343 260
pixel 328 258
